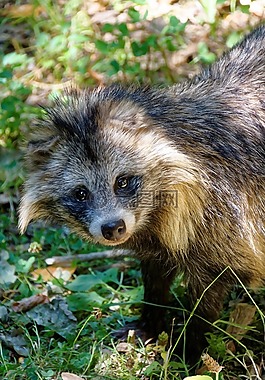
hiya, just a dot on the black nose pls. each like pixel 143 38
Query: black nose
pixel 113 230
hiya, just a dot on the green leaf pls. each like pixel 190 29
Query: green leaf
pixel 24 266
pixel 7 271
pixel 115 65
pixel 110 275
pixel 118 44
pixel 82 65
pixel 232 39
pixel 49 63
pixel 77 38
pixel 84 301
pixel 123 29
pixel 245 8
pixel 204 55
pixel 9 103
pixel 174 21
pixel 139 2
pixel 81 360
pixel 151 41
pixel 14 59
pixel 47 374
pixel 84 282
pixel 169 43
pixel 57 43
pixel 134 14
pixel 139 49
pixel 102 46
pixel 42 39
pixel 177 365
pixel 108 28
pixel 7 74
pixel 152 368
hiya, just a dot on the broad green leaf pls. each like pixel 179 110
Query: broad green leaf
pixel 24 266
pixel 139 49
pixel 110 275
pixel 102 46
pixel 84 301
pixel 7 271
pixel 123 29
pixel 232 39
pixel 84 282
pixel 134 14
pixel 14 59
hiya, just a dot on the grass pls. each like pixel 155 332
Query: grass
pixel 72 331
pixel 61 319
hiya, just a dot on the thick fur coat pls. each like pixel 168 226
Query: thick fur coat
pixel 176 174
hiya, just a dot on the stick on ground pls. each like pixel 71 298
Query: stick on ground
pixel 110 254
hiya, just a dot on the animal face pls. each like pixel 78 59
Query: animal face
pixel 99 166
pixel 100 192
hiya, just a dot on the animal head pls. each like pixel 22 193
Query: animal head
pixel 99 163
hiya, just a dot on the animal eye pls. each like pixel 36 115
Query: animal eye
pixel 122 183
pixel 126 186
pixel 81 194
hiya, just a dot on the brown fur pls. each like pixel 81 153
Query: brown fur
pixel 203 139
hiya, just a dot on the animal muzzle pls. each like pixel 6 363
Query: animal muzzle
pixel 114 230
pixel 112 227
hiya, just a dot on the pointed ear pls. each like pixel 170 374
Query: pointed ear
pixel 39 150
pixel 129 115
pixel 42 146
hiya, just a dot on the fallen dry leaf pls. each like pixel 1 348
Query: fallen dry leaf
pixel 70 376
pixel 242 315
pixel 20 11
pixel 123 347
pixel 52 272
pixel 28 303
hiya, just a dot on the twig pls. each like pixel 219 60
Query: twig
pixel 51 86
pixel 89 256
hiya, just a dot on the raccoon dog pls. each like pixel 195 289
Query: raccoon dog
pixel 176 174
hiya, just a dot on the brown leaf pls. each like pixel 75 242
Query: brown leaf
pixel 52 272
pixel 242 315
pixel 230 346
pixel 70 376
pixel 123 347
pixel 28 303
pixel 24 10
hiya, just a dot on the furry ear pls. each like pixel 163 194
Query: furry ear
pixel 39 150
pixel 129 115
pixel 42 146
